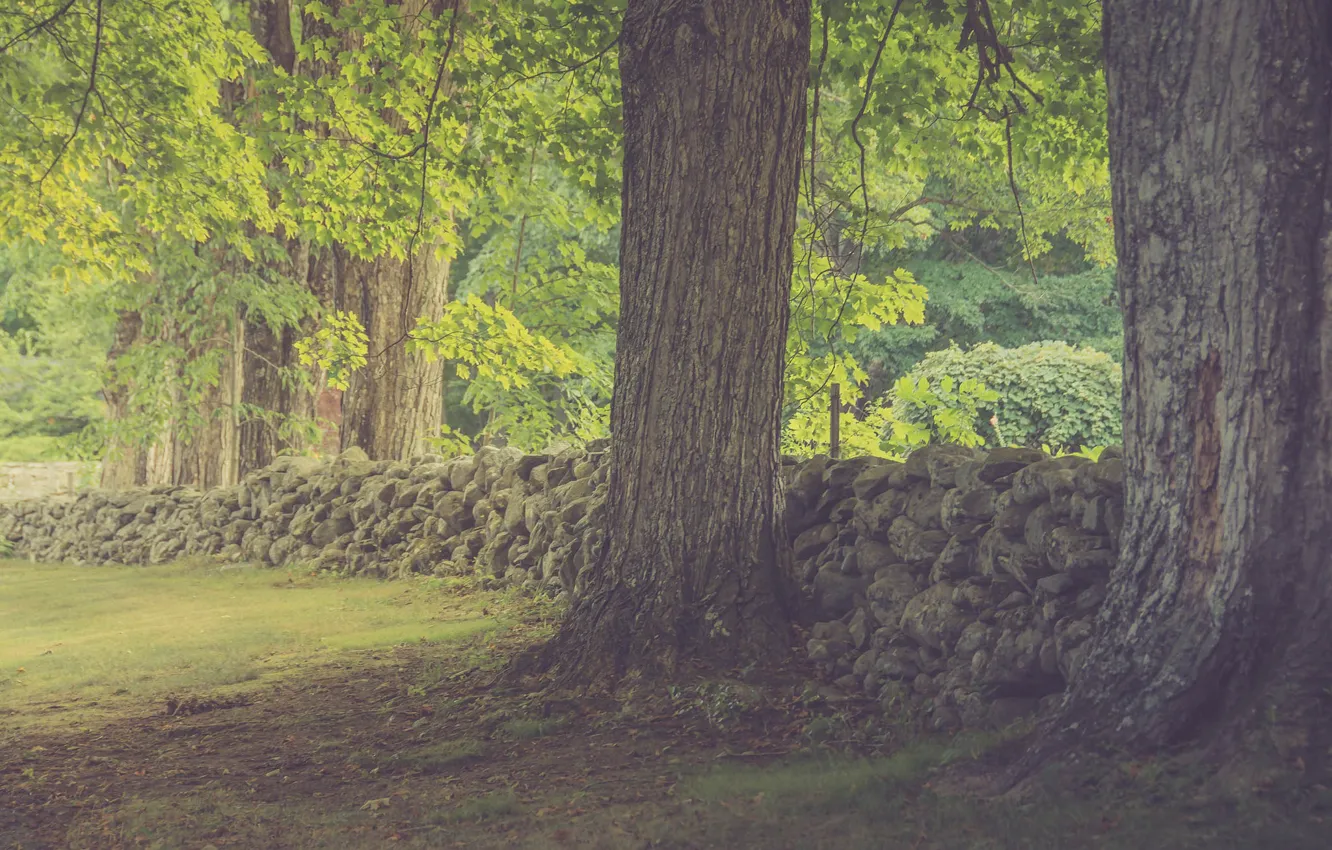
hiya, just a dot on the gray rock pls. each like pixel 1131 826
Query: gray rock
pixel 937 460
pixel 815 540
pixel 834 630
pixel 1040 524
pixel 877 479
pixel 862 627
pixel 931 618
pixel 874 519
pixel 1057 584
pixel 956 561
pixel 871 555
pixel 835 592
pixel 962 507
pixel 1006 461
pixel 888 595
pixel 1064 543
pixel 826 650
pixel 914 545
pixel 840 474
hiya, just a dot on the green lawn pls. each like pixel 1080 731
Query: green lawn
pixel 71 633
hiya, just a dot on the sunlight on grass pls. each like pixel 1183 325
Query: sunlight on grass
pixel 88 632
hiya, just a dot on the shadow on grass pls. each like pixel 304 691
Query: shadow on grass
pixel 821 800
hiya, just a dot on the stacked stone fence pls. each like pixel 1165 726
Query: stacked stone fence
pixel 957 583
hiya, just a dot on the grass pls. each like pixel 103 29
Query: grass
pixel 70 632
pixel 527 728
pixel 414 748
pixel 487 807
pixel 436 758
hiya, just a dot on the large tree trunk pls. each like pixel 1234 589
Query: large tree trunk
pixel 394 403
pixel 206 455
pixel 1218 625
pixel 125 463
pixel 280 395
pixel 281 406
pixel 696 562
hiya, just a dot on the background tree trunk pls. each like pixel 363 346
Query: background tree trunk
pixel 275 400
pixel 206 456
pixel 277 403
pixel 125 463
pixel 1218 624
pixel 696 562
pixel 396 401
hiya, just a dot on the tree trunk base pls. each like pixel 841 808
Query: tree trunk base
pixel 611 635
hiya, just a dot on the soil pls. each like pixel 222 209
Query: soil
pixel 394 748
pixel 421 746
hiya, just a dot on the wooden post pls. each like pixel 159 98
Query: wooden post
pixel 835 421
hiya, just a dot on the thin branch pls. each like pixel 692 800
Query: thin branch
pixel 44 23
pixel 951 239
pixel 522 228
pixel 440 73
pixel 83 107
pixel 864 104
pixel 1012 184
pixel 814 117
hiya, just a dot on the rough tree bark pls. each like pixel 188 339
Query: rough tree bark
pixel 696 561
pixel 268 351
pixel 1217 630
pixel 205 456
pixel 125 463
pixel 396 401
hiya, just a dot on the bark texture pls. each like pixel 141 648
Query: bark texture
pixel 277 402
pixel 205 454
pixel 397 401
pixel 696 562
pixel 125 463
pixel 1218 624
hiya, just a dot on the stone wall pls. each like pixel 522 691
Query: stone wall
pixel 958 584
pixel 517 517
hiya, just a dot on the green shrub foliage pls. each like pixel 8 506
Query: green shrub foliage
pixel 1049 393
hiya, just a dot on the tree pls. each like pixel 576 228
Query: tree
pixel 278 396
pixel 714 126
pixel 1217 623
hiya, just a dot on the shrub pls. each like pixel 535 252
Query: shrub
pixel 1049 393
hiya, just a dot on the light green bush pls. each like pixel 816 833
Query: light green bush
pixel 1049 393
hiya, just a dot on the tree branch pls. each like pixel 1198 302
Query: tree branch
pixel 44 23
pixel 83 106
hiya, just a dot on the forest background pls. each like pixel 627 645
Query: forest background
pixel 237 230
